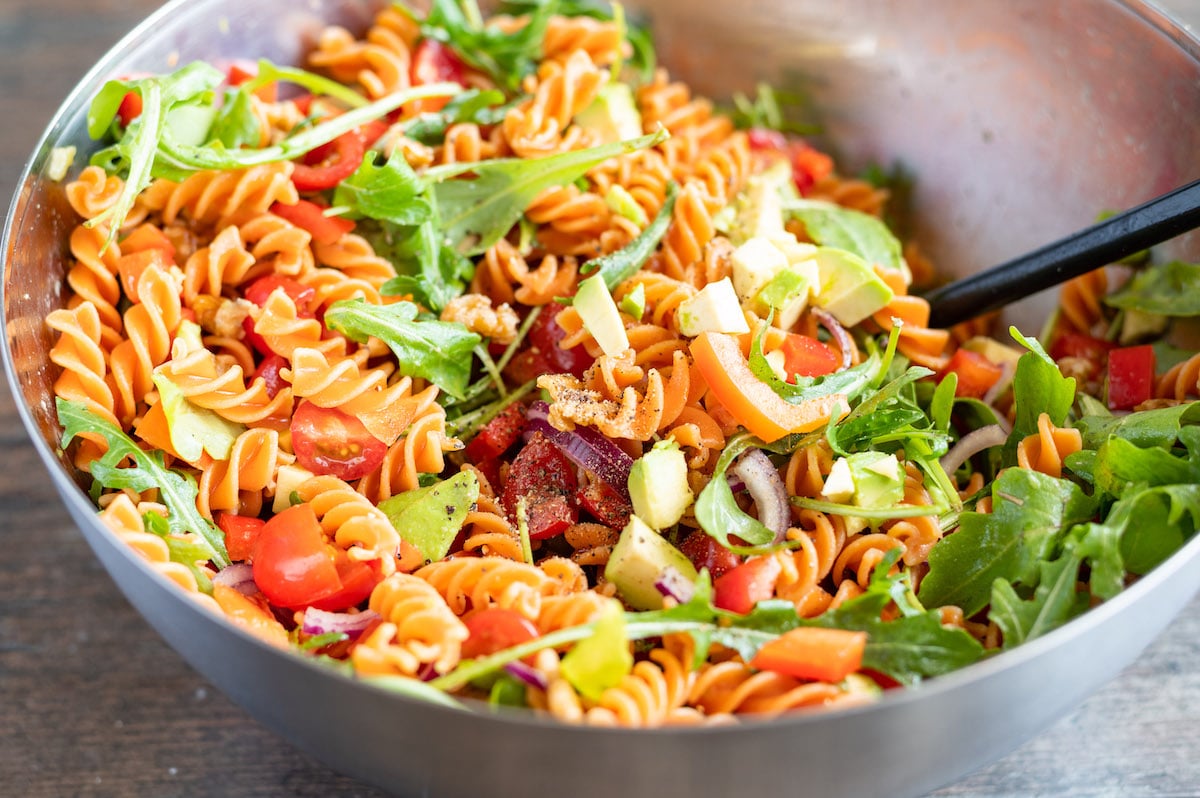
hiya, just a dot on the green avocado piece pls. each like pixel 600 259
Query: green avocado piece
pixel 637 561
pixel 878 479
pixel 758 209
pixel 787 293
pixel 658 485
pixel 850 289
pixel 613 115
pixel 600 316
pixel 430 517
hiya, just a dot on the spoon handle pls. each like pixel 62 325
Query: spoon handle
pixel 1106 242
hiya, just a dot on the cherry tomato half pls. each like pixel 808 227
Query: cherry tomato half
pixel 328 441
pixel 434 62
pixel 293 564
pixel 358 578
pixel 262 288
pixel 241 533
pixel 494 629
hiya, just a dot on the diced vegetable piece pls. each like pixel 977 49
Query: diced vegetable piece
pixel 241 532
pixel 1130 376
pixel 976 374
pixel 807 357
pixel 739 589
pixel 810 652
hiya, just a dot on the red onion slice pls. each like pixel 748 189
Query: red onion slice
pixel 528 674
pixel 238 576
pixel 322 622
pixel 767 489
pixel 585 447
pixel 673 584
pixel 839 334
pixel 972 444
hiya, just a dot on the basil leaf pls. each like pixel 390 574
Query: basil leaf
pixel 176 489
pixel 617 267
pixel 1166 289
pixel 390 192
pixel 438 351
pixel 862 234
pixel 477 211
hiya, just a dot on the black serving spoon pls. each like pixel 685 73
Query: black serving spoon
pixel 1116 237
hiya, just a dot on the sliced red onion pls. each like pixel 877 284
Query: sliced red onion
pixel 585 447
pixel 839 334
pixel 972 444
pixel 528 674
pixel 767 489
pixel 238 576
pixel 322 622
pixel 673 584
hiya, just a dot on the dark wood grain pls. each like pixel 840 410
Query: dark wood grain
pixel 92 703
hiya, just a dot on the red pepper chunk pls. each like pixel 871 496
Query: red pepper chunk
pixel 807 357
pixel 544 476
pixel 976 374
pixel 1130 376
pixel 311 217
pixel 739 589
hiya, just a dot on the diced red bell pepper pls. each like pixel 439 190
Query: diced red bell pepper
pixel 811 652
pixel 809 165
pixel 1130 376
pixel 498 435
pixel 330 164
pixel 310 216
pixel 705 551
pixel 739 589
pixel 808 357
pixel 976 374
pixel 434 62
pixel 130 108
pixel 544 476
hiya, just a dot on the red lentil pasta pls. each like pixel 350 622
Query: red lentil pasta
pixel 573 437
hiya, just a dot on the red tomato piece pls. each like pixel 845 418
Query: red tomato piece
pixel 498 435
pixel 544 355
pixel 241 532
pixel 810 652
pixel 293 564
pixel 1085 347
pixel 1130 376
pixel 494 629
pixel 358 579
pixel 544 476
pixel 310 216
pixel 371 132
pixel 434 62
pixel 326 166
pixel 976 374
pixel 130 108
pixel 739 589
pixel 706 551
pixel 603 503
pixel 268 369
pixel 809 165
pixel 240 73
pixel 763 138
pixel 258 292
pixel 328 441
pixel 808 357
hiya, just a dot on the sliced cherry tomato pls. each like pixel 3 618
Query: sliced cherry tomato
pixel 706 551
pixel 326 166
pixel 544 476
pixel 358 578
pixel 434 62
pixel 372 131
pixel 241 532
pixel 719 359
pixel 268 369
pixel 130 108
pixel 604 503
pixel 262 288
pixel 310 216
pixel 328 441
pixel 763 138
pixel 740 588
pixel 807 357
pixel 976 374
pixel 498 435
pixel 293 564
pixel 809 165
pixel 811 652
pixel 494 629
pixel 1130 376
pixel 544 355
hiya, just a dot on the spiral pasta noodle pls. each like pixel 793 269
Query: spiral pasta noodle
pixel 417 629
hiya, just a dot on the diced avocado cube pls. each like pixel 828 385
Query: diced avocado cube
pixel 878 479
pixel 759 207
pixel 850 289
pixel 287 480
pixel 658 485
pixel 788 292
pixel 714 308
pixel 430 517
pixel 1137 325
pixel 794 249
pixel 613 115
pixel 839 485
pixel 637 562
pixel 755 265
pixel 600 316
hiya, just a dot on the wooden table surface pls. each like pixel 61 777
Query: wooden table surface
pixel 93 703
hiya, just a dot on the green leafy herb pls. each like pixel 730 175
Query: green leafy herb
pixel 188 551
pixel 430 270
pixel 831 225
pixel 390 191
pixel 851 382
pixel 318 85
pixel 1166 289
pixel 430 517
pixel 1038 387
pixel 617 267
pixel 475 106
pixel 1055 601
pixel 1159 428
pixel 417 689
pixel 505 57
pixel 718 512
pixel 767 110
pixel 176 490
pixel 438 351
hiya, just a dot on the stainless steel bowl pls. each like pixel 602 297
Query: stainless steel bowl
pixel 1021 120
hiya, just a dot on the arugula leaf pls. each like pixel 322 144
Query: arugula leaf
pixel 505 57
pixel 1038 387
pixel 269 72
pixel 1120 464
pixel 416 689
pixel 1165 289
pixel 889 412
pixel 176 489
pixel 1030 513
pixel 1147 428
pixel 480 107
pixel 185 551
pixel 236 125
pixel 477 211
pixel 1054 602
pixel 438 351
pixel 617 267
pixel 831 225
pixel 430 271
pixel 850 382
pixel 390 192
pixel 766 110
pixel 717 511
